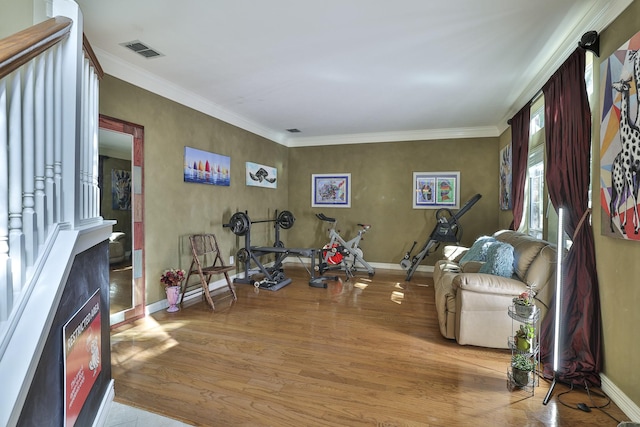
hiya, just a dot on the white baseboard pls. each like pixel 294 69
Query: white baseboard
pixel 380 265
pixel 103 412
pixel 627 405
pixel 194 293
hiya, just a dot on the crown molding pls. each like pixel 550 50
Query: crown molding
pixel 417 135
pixel 118 68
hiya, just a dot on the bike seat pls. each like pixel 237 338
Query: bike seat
pixel 325 218
pixel 365 226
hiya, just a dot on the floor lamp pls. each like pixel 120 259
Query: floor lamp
pixel 556 328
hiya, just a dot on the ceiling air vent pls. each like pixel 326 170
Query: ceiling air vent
pixel 142 49
pixel 293 130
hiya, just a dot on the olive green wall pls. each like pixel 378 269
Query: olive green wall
pixel 382 192
pixel 175 209
pixel 16 16
pixel 616 259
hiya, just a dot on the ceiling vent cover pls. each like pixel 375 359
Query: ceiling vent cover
pixel 142 49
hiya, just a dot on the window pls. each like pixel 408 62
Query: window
pixel 535 173
pixel 537 120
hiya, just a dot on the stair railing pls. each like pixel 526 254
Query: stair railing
pixel 48 150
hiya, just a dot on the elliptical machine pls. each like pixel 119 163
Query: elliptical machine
pixel 341 254
pixel 446 230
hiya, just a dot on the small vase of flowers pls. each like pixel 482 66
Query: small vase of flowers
pixel 172 281
pixel 524 305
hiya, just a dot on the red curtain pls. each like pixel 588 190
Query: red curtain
pixel 519 153
pixel 568 143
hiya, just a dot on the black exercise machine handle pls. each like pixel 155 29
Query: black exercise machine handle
pixel 472 201
pixel 323 217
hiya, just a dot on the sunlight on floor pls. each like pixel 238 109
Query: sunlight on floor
pixel 152 339
pixel 397 297
pixel 360 285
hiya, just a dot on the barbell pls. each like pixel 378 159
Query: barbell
pixel 239 223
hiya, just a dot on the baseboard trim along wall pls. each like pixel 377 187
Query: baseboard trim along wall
pixel 619 398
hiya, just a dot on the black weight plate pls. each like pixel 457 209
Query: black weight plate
pixel 239 223
pixel 286 219
pixel 242 255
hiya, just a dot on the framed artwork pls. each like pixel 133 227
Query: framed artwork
pixel 203 167
pixel 435 190
pixel 620 80
pixel 120 190
pixel 333 190
pixel 261 175
pixel 505 178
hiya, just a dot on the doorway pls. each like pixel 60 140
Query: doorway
pixel 115 155
pixel 123 200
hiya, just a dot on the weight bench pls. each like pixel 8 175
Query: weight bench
pixel 274 277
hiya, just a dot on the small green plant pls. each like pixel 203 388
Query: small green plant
pixel 523 362
pixel 524 337
pixel 526 332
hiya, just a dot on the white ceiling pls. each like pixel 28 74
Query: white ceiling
pixel 346 71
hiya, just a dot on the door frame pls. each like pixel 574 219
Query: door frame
pixel 137 214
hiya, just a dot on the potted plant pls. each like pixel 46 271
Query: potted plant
pixel 521 367
pixel 172 281
pixel 523 338
pixel 524 305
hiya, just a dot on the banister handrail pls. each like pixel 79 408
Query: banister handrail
pixel 20 48
pixel 93 59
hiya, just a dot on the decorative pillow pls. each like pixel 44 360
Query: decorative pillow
pixel 499 260
pixel 478 251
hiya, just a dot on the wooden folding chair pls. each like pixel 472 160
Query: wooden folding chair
pixel 206 262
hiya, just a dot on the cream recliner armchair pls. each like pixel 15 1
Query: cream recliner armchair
pixel 472 306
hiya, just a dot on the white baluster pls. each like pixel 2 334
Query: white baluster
pixel 6 288
pixel 16 238
pixel 95 84
pixel 28 185
pixel 84 140
pixel 57 151
pixel 40 199
pixel 49 140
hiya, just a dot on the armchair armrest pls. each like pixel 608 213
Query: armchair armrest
pixel 488 284
pixel 454 252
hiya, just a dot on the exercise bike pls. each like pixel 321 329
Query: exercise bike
pixel 341 254
pixel 447 230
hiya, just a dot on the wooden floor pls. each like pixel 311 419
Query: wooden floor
pixel 359 353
